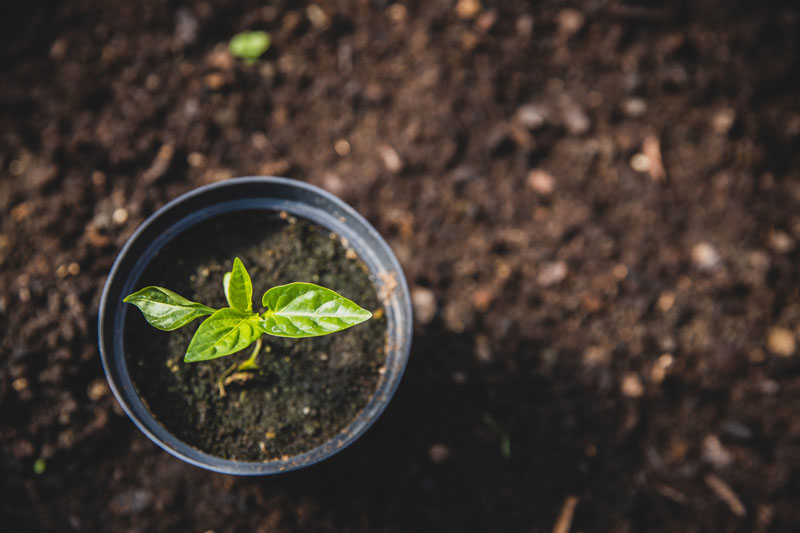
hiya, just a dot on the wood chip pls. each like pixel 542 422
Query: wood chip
pixel 726 494
pixel 564 522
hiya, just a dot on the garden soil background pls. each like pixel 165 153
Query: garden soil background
pixel 597 205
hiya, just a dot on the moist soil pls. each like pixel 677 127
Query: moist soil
pixel 596 204
pixel 306 390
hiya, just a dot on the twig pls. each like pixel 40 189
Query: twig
pixel 726 494
pixel 564 522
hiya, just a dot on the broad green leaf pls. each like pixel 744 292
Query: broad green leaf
pixel 225 332
pixel 308 310
pixel 165 309
pixel 238 288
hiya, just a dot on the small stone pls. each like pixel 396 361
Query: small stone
pixel 781 342
pixel 425 305
pixel 552 273
pixel 531 116
pixel 306 410
pixel 119 216
pixel 467 9
pixel 570 21
pixel 482 350
pixel 214 81
pixel 619 271
pixel 715 453
pixel 651 147
pixel 640 162
pixel 391 159
pixel 781 242
pixel 541 181
pixel 186 26
pixel 666 301
pixel 438 453
pixel 575 120
pixel 317 16
pixel 397 12
pixel 659 370
pixel 634 107
pixel 723 120
pixel 20 384
pixel 196 159
pixel 596 356
pixel 74 269
pixel 342 147
pixel 58 50
pixel 631 385
pixel 737 429
pixel 97 389
pixel 705 256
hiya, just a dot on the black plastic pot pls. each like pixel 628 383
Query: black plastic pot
pixel 252 193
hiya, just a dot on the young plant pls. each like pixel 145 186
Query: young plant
pixel 294 310
pixel 249 45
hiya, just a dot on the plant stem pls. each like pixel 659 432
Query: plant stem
pixel 250 364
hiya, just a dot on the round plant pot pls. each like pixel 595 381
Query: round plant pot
pixel 253 194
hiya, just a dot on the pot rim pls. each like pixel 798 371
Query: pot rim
pixel 300 199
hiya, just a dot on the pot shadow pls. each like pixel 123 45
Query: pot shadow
pixel 470 445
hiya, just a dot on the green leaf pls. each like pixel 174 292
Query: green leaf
pixel 225 332
pixel 165 309
pixel 308 310
pixel 238 287
pixel 249 45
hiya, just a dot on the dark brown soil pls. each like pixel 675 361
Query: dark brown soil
pixel 306 391
pixel 596 203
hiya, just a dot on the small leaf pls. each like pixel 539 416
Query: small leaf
pixel 308 310
pixel 165 309
pixel 239 288
pixel 249 45
pixel 225 332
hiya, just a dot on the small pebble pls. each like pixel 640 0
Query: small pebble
pixel 391 159
pixel 640 162
pixel 660 367
pixel 715 453
pixel 575 120
pixel 631 385
pixel 705 256
pixel 438 453
pixel 541 181
pixel 467 9
pixel 196 159
pixel 317 16
pixel 306 410
pixel 781 242
pixel 596 356
pixel 20 384
pixel 342 147
pixel 634 107
pixel 119 216
pixel 552 273
pixel 723 120
pixel 425 305
pixel 781 342
pixel 74 269
pixel 97 389
pixel 570 21
pixel 532 116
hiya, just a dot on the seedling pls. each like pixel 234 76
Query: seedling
pixel 249 45
pixel 295 310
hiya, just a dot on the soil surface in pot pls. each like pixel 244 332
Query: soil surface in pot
pixel 306 391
